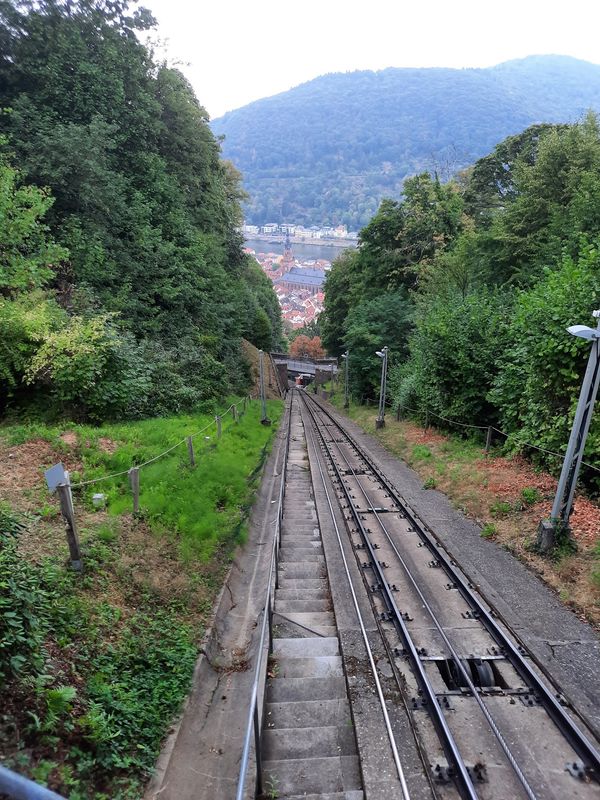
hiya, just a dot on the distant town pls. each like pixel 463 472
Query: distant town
pixel 339 236
pixel 298 282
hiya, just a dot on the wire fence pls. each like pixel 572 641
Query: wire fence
pixel 520 444
pixel 427 413
pixel 65 488
pixel 157 457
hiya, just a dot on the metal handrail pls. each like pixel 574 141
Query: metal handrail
pixel 20 788
pixel 253 724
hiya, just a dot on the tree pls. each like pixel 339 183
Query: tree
pixel 303 346
pixel 383 321
pixel 540 372
pixel 28 254
pixel 143 203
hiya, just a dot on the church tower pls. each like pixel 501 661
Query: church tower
pixel 287 262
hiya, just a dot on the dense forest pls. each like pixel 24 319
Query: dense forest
pixel 472 284
pixel 330 150
pixel 123 286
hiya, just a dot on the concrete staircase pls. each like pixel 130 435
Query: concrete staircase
pixel 308 742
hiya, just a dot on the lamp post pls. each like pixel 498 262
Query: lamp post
pixel 383 355
pixel 565 491
pixel 345 356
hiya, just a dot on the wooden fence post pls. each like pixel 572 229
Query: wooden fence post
pixel 218 421
pixel 68 512
pixel 234 413
pixel 488 440
pixel 134 479
pixel 398 413
pixel 190 446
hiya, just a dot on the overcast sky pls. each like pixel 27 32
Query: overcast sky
pixel 236 51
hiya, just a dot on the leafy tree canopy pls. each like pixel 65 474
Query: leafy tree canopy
pixel 115 153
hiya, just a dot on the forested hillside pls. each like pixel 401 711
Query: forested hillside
pixel 472 284
pixel 123 286
pixel 329 150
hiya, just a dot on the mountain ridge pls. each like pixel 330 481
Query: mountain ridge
pixel 328 150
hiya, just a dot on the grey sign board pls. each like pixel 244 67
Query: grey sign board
pixel 55 476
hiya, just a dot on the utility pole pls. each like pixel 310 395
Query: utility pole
pixel 261 369
pixel 565 492
pixel 383 355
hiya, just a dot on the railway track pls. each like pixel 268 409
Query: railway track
pixel 447 679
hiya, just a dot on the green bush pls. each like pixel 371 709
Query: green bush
pixel 90 368
pixel 453 356
pixel 23 606
pixel 537 387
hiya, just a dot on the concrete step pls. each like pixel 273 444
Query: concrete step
pixel 302 584
pixel 308 713
pixel 312 619
pixel 306 648
pixel 287 556
pixel 312 539
pixel 292 690
pixel 354 794
pixel 315 667
pixel 316 775
pixel 309 529
pixel 299 545
pixel 302 593
pixel 299 603
pixel 293 630
pixel 292 743
pixel 297 506
pixel 308 570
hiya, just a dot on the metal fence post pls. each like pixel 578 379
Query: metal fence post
pixel 134 479
pixel 190 446
pixel 488 440
pixel 68 512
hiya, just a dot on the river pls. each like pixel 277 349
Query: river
pixel 303 252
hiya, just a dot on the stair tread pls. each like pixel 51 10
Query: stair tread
pixel 281 690
pixel 314 775
pixel 308 742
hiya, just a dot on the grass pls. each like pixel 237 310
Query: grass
pixel 511 491
pixel 94 667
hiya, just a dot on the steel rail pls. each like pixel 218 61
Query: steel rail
pixel 461 774
pixel 388 724
pixel 451 649
pixel 580 743
pixel 254 724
